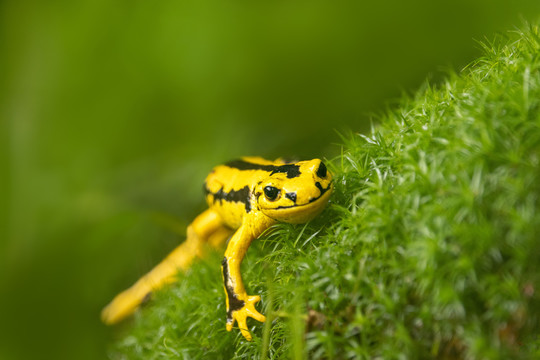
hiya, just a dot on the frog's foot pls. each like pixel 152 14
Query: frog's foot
pixel 124 304
pixel 241 315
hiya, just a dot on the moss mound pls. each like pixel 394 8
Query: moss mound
pixel 429 249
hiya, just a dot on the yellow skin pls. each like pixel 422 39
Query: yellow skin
pixel 248 196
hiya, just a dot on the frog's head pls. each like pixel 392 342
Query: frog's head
pixel 296 195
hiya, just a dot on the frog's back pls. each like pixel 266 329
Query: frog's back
pixel 229 187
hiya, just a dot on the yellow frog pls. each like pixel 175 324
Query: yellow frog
pixel 248 196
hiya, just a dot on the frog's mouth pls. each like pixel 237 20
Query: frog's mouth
pixel 301 213
pixel 311 201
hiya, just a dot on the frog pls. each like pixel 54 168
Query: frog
pixel 245 197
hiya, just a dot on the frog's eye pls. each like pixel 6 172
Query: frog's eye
pixel 321 171
pixel 271 192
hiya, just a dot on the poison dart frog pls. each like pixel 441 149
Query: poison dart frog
pixel 245 197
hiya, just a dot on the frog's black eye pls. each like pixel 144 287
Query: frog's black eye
pixel 321 171
pixel 271 192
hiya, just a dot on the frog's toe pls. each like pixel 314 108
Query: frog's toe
pixel 253 299
pixel 240 316
pixel 242 325
pixel 250 308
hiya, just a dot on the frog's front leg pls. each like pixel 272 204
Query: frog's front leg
pixel 240 306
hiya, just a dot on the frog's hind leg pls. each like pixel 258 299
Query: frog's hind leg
pixel 207 228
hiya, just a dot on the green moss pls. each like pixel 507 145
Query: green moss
pixel 428 249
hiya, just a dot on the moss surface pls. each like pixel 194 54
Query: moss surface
pixel 429 248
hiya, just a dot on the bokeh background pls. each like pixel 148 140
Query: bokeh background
pixel 112 112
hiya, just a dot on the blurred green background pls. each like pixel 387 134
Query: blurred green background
pixel 112 113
